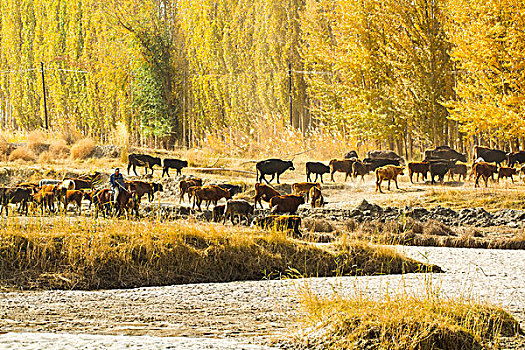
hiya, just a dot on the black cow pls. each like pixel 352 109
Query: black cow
pixel 516 157
pixel 351 154
pixel 174 164
pixel 144 160
pixel 444 153
pixel 14 195
pixel 317 168
pixel 234 189
pixel 385 154
pixel 373 164
pixel 440 168
pixel 273 167
pixel 490 155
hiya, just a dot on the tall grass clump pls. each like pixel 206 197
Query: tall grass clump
pixel 89 254
pixel 22 153
pixel 37 142
pixel 4 148
pixel 82 149
pixel 402 321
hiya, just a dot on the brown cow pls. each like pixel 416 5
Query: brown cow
pixel 485 170
pixel 286 204
pixel 45 200
pixel 73 196
pixel 303 188
pixel 317 198
pixel 418 168
pixel 360 169
pixel 185 184
pixel 264 192
pixel 102 200
pixel 388 173
pixel 458 169
pixel 507 172
pixel 342 166
pixel 211 193
pixel 140 188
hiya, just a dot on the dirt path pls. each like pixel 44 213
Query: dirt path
pixel 252 311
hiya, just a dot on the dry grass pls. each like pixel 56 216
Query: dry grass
pixel 407 231
pixel 22 153
pixel 37 142
pixel 403 322
pixel 82 149
pixel 59 149
pixel 88 254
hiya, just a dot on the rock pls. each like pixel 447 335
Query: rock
pixel 365 206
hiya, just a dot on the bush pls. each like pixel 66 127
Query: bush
pixel 82 149
pixel 37 143
pixel 4 148
pixel 59 149
pixel 22 153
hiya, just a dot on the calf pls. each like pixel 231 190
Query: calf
pixel 484 170
pixel 507 172
pixel 264 192
pixel 418 168
pixel 272 167
pixel 102 200
pixel 317 200
pixel 218 212
pixel 280 222
pixel 458 169
pixel 317 168
pixel 144 160
pixel 173 164
pixel 303 188
pixel 440 169
pixel 342 166
pixel 184 185
pixel 234 189
pixel 286 204
pixel 45 200
pixel 360 169
pixel 212 193
pixel 237 207
pixel 14 195
pixel 140 188
pixel 73 196
pixel 388 173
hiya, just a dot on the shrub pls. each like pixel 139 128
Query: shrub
pixel 36 142
pixel 82 149
pixel 59 149
pixel 22 153
pixel 4 148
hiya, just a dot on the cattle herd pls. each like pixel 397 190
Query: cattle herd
pixel 55 195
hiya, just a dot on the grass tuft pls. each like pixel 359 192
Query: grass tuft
pixel 22 153
pixel 82 149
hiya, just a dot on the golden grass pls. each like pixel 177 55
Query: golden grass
pixel 489 199
pixel 89 254
pixel 59 149
pixel 407 231
pixel 402 322
pixel 22 153
pixel 82 149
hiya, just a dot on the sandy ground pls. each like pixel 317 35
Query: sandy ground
pixel 247 312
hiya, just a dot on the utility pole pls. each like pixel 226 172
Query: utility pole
pixel 290 101
pixel 44 90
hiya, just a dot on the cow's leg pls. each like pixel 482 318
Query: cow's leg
pixel 332 176
pixel 511 179
pixel 273 177
pixel 179 172
pixel 165 171
pixel 307 176
pixel 410 174
pixel 135 170
pixel 129 167
pixel 389 184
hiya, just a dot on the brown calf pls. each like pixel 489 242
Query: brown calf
pixel 45 199
pixel 418 168
pixel 212 193
pixel 342 166
pixel 317 198
pixel 140 188
pixel 484 170
pixel 286 204
pixel 303 188
pixel 264 192
pixel 388 173
pixel 458 169
pixel 507 172
pixel 73 196
pixel 360 169
pixel 184 185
